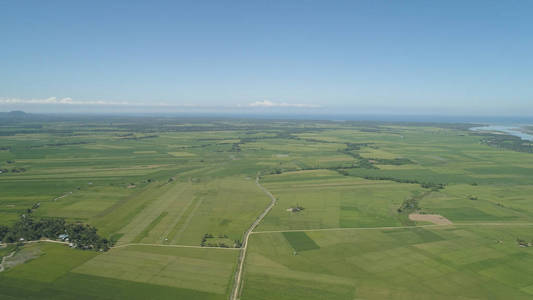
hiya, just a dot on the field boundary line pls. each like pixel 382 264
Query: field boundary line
pixel 394 227
pixel 126 245
pixel 240 265
pixel 174 246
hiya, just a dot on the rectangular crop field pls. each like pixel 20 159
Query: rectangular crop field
pixel 300 241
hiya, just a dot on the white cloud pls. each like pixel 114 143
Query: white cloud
pixel 70 101
pixel 267 103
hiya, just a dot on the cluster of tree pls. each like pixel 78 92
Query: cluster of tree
pixel 288 134
pixel 316 141
pixel 508 142
pixel 85 236
pixel 58 144
pixel 18 170
pixel 125 135
pixel 427 185
pixel 394 161
pixel 235 147
pixel 362 162
pixel 343 172
pixel 433 186
pixel 356 146
pixel 524 243
pixel 28 228
pixel 409 205
pixel 373 129
pixel 206 243
pixel 276 171
pixel 13 170
pixel 204 239
pixel 140 137
pixel 219 244
pixel 365 164
pixel 412 204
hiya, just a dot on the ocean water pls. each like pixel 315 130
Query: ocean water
pixel 508 129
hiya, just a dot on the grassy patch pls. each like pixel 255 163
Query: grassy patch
pixel 300 241
pixel 151 226
pixel 175 267
pixel 468 214
pixel 55 261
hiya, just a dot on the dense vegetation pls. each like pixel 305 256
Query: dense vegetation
pixel 507 142
pixel 29 228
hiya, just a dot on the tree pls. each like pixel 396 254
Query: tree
pixel 3 231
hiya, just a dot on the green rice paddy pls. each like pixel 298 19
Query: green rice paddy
pixel 167 190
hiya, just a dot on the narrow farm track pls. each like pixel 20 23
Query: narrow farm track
pixel 240 266
pixel 131 244
pixel 4 259
pixel 36 241
pixel 396 227
pixel 174 246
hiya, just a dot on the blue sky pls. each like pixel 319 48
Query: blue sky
pixel 415 57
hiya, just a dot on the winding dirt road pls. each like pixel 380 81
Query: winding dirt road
pixel 242 256
pixel 4 259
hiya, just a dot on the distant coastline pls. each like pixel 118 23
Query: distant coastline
pixel 511 121
pixel 515 130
